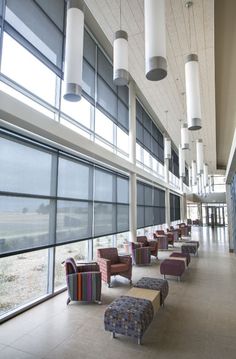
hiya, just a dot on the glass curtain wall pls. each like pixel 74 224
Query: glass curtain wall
pixel 150 142
pixel 174 168
pixel 33 32
pixel 50 199
pixel 150 207
pixel 174 207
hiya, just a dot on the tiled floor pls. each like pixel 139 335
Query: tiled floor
pixel 198 321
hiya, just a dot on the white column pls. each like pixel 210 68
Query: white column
pixel 166 170
pixel 132 157
pixel 132 122
pixel 181 184
pixel 230 218
pixel 133 207
pixel 167 208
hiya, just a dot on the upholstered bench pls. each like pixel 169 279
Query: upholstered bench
pixel 129 316
pixel 190 248
pixel 172 267
pixel 181 255
pixel 155 284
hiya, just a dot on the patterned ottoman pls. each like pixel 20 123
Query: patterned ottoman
pixel 129 316
pixel 181 255
pixel 154 284
pixel 190 248
pixel 172 267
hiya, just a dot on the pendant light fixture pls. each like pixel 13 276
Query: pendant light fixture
pixel 181 162
pixel 205 174
pixel 199 151
pixel 192 84
pixel 184 137
pixel 120 56
pixel 194 173
pixel 167 148
pixel 167 141
pixel 74 50
pixel 155 40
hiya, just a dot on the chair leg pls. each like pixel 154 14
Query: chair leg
pixel 109 285
pixel 130 282
pixel 68 301
pixel 139 341
pixel 113 334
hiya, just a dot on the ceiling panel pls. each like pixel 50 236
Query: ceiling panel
pixel 187 30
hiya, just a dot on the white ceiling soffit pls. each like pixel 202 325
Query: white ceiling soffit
pixel 167 94
pixel 225 59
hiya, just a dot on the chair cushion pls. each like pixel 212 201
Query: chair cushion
pixel 119 267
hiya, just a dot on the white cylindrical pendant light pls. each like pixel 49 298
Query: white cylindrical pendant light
pixel 184 137
pixel 194 173
pixel 199 151
pixel 74 50
pixel 193 92
pixel 155 40
pixel 167 148
pixel 120 59
pixel 181 162
pixel 205 174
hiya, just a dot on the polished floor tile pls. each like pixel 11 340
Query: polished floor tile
pixel 198 320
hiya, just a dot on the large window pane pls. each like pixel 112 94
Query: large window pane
pixel 24 169
pixel 27 71
pixel 122 243
pixel 78 251
pixel 122 190
pixel 24 223
pixel 80 111
pixel 102 242
pixel 106 98
pixel 74 220
pixel 104 219
pixel 74 179
pixel 104 186
pixel 122 140
pixel 37 28
pixel 140 217
pixel 122 218
pixel 23 278
pixel 103 126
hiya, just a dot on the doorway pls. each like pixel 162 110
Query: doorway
pixel 215 216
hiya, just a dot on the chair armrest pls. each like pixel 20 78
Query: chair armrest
pixel 105 267
pixel 125 259
pixel 88 267
pixel 153 243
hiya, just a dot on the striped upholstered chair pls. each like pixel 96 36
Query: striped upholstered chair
pixel 140 255
pixel 83 281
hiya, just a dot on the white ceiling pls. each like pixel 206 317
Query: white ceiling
pixel 168 93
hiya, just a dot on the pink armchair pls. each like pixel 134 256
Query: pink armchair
pixel 152 244
pixel 110 263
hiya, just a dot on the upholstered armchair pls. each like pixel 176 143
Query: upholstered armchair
pixel 83 281
pixel 173 234
pixel 110 263
pixel 140 255
pixel 162 239
pixel 152 244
